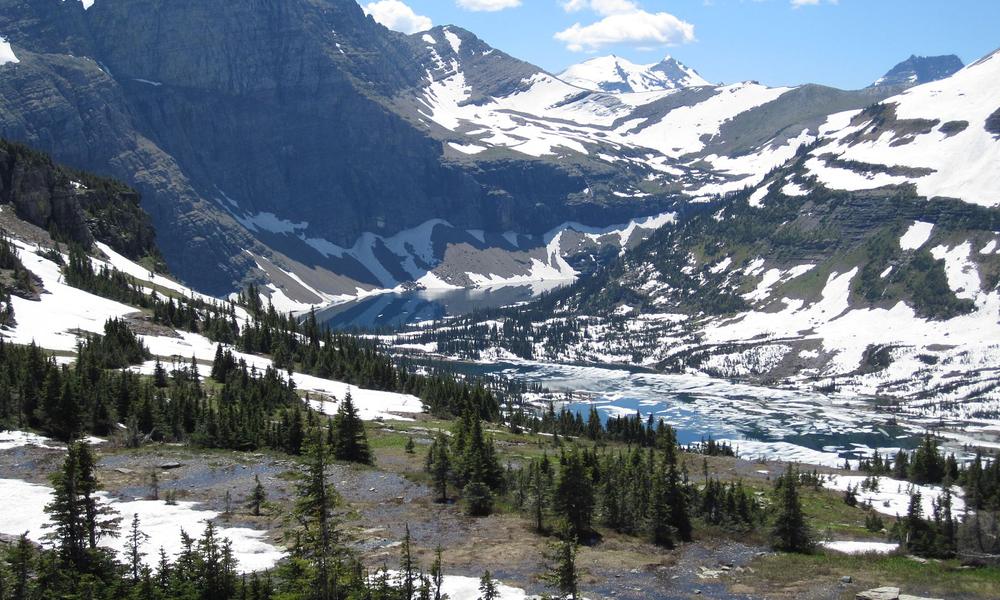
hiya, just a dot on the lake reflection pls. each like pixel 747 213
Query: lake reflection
pixel 400 308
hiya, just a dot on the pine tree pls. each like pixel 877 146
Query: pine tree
pixel 21 559
pixel 917 536
pixel 676 498
pixel 439 465
pixel 488 587
pixel 136 538
pixel 574 495
pixel 77 520
pixel 478 499
pixel 539 492
pixel 789 532
pixel 257 497
pixel 350 440
pixel 928 466
pixel 561 573
pixel 660 516
pixel 314 507
pixel 407 566
pixel 437 575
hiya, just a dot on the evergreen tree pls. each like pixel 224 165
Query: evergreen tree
pixel 789 531
pixel 561 573
pixel 439 465
pixel 407 566
pixel 488 587
pixel 21 559
pixel 574 495
pixel 350 440
pixel 478 499
pixel 257 497
pixel 77 520
pixel 928 466
pixel 437 575
pixel 660 527
pixel 314 512
pixel 136 538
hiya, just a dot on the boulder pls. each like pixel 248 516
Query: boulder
pixel 881 593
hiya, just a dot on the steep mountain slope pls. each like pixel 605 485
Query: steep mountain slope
pixel 867 262
pixel 917 70
pixel 75 207
pixel 615 74
pixel 936 136
pixel 241 136
pixel 303 145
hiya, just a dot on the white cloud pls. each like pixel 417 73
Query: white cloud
pixel 394 14
pixel 635 27
pixel 801 3
pixel 488 5
pixel 601 7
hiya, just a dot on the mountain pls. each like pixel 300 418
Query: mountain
pixel 920 69
pixel 615 74
pixel 244 143
pixel 75 207
pixel 867 261
pixel 319 154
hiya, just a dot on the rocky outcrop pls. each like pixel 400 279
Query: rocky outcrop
pixel 887 593
pixel 920 69
pixel 74 206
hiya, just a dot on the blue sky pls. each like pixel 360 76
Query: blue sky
pixel 843 43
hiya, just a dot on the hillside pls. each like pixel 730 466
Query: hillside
pixel 866 264
pixel 446 162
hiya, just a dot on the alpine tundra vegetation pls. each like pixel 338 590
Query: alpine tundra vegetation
pixel 318 300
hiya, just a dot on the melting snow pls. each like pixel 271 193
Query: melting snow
pixel 22 509
pixel 453 39
pixel 6 52
pixel 847 547
pixel 892 496
pixel 916 236
pixel 963 277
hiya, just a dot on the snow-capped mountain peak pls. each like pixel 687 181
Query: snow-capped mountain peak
pixel 619 75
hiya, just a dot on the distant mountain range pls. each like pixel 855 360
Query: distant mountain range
pixel 320 154
pixel 862 255
pixel 615 74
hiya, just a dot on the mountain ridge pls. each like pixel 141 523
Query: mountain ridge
pixel 917 70
pixel 615 75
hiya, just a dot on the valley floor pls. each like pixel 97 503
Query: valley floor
pixel 379 502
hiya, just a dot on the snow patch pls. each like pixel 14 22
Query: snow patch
pixel 7 53
pixel 22 509
pixel 916 236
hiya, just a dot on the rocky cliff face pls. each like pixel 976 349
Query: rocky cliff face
pixel 76 207
pixel 920 69
pixel 220 112
pixel 300 143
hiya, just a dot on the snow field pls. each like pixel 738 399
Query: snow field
pixel 22 509
pixel 893 496
pixel 850 547
pixel 52 323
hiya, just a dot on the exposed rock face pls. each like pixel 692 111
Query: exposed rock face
pixel 75 206
pixel 921 69
pixel 220 111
